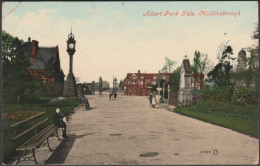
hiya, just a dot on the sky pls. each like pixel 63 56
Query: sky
pixel 116 38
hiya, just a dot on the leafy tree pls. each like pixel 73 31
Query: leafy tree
pixel 196 65
pixel 203 65
pixel 175 81
pixel 168 65
pixel 121 84
pixel 253 61
pixel 221 73
pixel 18 84
pixel 249 76
pixel 200 63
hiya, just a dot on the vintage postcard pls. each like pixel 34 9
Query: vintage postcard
pixel 123 82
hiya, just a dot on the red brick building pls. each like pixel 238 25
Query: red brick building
pixel 43 58
pixel 139 84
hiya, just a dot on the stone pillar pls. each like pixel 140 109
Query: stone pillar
pixel 70 87
pixel 163 90
pixel 93 87
pixel 159 87
pixel 100 85
pixel 185 93
pixel 71 63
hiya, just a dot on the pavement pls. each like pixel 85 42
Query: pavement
pixel 128 131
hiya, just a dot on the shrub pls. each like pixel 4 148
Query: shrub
pixel 242 96
pixel 223 93
pixel 209 93
pixel 18 115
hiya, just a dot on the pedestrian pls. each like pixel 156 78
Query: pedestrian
pixel 115 95
pixel 86 102
pixel 110 95
pixel 60 121
pixel 151 98
pixel 130 92
pixel 154 101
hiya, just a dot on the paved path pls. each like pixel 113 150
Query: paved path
pixel 128 131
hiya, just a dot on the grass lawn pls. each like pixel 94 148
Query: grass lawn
pixel 243 119
pixel 9 146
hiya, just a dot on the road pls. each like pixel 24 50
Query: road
pixel 129 131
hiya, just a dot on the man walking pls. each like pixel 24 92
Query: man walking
pixel 115 95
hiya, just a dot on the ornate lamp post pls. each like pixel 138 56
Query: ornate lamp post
pixel 70 88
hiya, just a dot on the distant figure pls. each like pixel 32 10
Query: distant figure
pixel 154 101
pixel 130 92
pixel 60 121
pixel 151 98
pixel 87 105
pixel 115 95
pixel 110 95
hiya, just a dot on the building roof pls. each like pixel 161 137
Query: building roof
pixel 186 65
pixel 45 54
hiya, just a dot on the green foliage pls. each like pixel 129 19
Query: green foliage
pixel 196 65
pixel 168 65
pixel 122 84
pixel 18 84
pixel 223 93
pixel 221 73
pixel 18 111
pixel 175 81
pixel 243 119
pixel 200 62
pixel 242 96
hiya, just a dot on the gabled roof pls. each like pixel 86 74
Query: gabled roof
pixel 45 54
pixel 38 64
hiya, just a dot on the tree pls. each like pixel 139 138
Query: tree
pixel 175 81
pixel 167 68
pixel 200 63
pixel 18 84
pixel 254 59
pixel 250 75
pixel 221 73
pixel 121 84
pixel 203 65
pixel 196 65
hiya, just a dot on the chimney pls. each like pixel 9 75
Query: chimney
pixel 35 50
pixel 29 40
pixel 138 71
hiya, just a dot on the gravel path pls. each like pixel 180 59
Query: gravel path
pixel 129 131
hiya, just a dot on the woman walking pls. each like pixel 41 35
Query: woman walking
pixel 154 101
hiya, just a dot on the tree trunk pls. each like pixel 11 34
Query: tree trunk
pixel 201 80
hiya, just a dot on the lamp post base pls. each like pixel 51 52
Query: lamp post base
pixel 70 87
